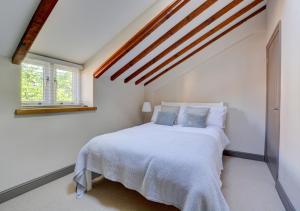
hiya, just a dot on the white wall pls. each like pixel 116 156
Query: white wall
pixel 232 70
pixel 288 11
pixel 36 145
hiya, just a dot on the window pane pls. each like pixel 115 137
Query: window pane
pixel 64 86
pixel 32 83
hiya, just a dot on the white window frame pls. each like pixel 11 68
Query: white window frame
pixel 50 65
pixel 46 68
pixel 75 83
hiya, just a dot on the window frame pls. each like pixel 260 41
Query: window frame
pixel 45 73
pixel 75 84
pixel 49 89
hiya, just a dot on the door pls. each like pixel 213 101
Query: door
pixel 273 102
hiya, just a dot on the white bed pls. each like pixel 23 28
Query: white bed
pixel 174 165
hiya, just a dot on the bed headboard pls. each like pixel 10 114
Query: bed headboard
pixel 193 104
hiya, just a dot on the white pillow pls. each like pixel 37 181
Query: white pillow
pixel 155 113
pixel 216 115
pixel 208 105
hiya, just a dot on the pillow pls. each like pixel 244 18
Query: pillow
pixel 216 115
pixel 208 105
pixel 194 120
pixel 174 109
pixel 155 113
pixel 196 110
pixel 166 118
pixel 195 117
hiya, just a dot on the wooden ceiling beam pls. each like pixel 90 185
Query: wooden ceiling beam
pixel 165 36
pixel 207 44
pixel 186 37
pixel 158 20
pixel 199 40
pixel 36 23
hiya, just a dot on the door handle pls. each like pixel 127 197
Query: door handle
pixel 275 109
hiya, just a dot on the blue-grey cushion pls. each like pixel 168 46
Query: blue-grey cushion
pixel 166 118
pixel 195 117
pixel 174 109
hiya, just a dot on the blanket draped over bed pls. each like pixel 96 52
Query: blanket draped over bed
pixel 172 165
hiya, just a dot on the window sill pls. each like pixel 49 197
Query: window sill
pixel 52 109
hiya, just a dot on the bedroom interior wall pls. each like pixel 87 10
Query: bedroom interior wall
pixel 32 146
pixel 288 12
pixel 232 70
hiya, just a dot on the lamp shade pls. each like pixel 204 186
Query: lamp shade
pixel 146 107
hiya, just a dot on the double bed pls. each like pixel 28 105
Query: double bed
pixel 174 165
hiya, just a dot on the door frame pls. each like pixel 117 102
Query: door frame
pixel 277 31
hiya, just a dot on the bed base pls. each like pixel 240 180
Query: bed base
pixel 89 179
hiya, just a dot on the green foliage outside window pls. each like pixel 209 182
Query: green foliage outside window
pixel 35 88
pixel 32 83
pixel 64 86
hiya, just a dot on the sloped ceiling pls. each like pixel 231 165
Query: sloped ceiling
pixel 250 29
pixel 75 30
pixel 14 18
pixel 171 22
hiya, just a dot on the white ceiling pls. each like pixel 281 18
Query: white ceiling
pixel 77 29
pixel 14 18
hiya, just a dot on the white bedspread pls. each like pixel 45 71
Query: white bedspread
pixel 176 165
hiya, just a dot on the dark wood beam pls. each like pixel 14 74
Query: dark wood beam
pixel 165 36
pixel 206 44
pixel 35 25
pixel 158 20
pixel 199 40
pixel 186 37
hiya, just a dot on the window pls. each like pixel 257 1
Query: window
pixel 49 82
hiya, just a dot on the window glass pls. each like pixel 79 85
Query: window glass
pixel 48 83
pixel 64 86
pixel 32 83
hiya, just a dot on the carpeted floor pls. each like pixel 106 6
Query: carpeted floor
pixel 247 186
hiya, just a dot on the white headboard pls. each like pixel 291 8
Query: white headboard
pixel 193 104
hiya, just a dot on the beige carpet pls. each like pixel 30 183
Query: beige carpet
pixel 247 185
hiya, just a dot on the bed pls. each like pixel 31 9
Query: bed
pixel 174 165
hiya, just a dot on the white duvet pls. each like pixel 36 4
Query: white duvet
pixel 176 165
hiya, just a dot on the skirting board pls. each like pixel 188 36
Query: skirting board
pixel 284 197
pixel 35 183
pixel 244 155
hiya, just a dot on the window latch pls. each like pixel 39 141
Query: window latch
pixel 47 80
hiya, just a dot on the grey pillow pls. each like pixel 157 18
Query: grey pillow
pixel 166 118
pixel 174 109
pixel 195 117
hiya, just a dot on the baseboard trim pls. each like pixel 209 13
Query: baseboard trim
pixel 244 155
pixel 284 197
pixel 35 183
